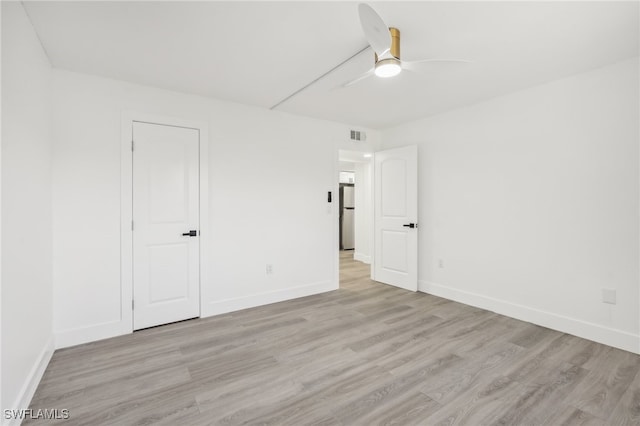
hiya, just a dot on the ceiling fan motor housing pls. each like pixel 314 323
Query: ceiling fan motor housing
pixel 395 44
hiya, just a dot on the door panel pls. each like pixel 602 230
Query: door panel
pixel 168 272
pixel 168 190
pixel 396 205
pixel 393 178
pixel 394 250
pixel 166 279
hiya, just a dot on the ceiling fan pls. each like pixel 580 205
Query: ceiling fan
pixel 385 42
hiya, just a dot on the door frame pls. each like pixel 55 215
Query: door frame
pixel 126 203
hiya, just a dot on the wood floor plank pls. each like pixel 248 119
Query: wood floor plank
pixel 536 401
pixel 366 354
pixel 627 411
pixel 409 411
pixel 535 335
pixel 475 403
pixel 606 383
pixel 314 404
pixel 373 404
pixel 471 373
pixel 571 416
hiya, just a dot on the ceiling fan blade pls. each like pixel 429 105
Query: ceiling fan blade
pixel 374 28
pixel 422 65
pixel 359 78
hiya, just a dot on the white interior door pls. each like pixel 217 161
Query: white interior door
pixel 395 217
pixel 166 278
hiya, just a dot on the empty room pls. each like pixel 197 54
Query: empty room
pixel 336 213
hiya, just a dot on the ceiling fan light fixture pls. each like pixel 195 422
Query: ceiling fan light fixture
pixel 388 67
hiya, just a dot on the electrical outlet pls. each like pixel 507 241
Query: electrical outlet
pixel 609 296
pixel 440 263
pixel 269 269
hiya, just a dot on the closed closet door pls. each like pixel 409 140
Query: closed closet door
pixel 166 241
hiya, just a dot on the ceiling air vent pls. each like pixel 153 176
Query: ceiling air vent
pixel 357 135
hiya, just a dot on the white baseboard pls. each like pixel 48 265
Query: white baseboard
pixel 218 307
pixel 32 381
pixel 587 330
pixel 364 258
pixel 91 333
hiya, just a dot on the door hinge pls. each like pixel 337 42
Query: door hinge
pixel 132 225
pixel 132 145
pixel 133 304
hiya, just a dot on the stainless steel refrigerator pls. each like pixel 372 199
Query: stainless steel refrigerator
pixel 347 211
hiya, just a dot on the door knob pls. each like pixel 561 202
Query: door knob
pixel 411 225
pixel 192 233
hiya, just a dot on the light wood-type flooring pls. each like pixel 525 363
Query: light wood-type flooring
pixel 366 354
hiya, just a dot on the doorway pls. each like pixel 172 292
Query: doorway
pixel 355 214
pixel 386 213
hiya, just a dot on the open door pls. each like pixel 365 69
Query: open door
pixel 395 217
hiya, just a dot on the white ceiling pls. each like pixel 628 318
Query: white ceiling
pixel 259 53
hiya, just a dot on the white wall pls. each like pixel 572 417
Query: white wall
pixel 347 166
pixel 26 209
pixel 274 210
pixel 531 202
